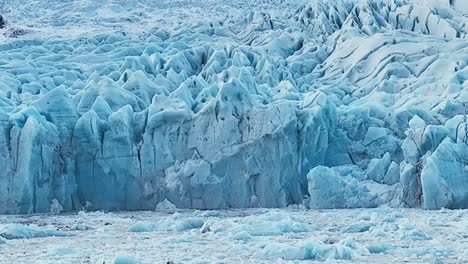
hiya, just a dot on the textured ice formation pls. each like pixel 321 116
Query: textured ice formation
pixel 257 235
pixel 166 207
pixel 125 260
pixel 308 250
pixel 167 225
pixel 18 231
pixel 344 103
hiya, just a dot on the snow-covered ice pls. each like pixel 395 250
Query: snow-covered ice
pixel 16 231
pixel 380 235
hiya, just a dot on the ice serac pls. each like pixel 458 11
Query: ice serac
pixel 326 188
pixel 334 104
pixel 445 174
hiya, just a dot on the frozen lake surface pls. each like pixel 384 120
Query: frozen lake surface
pixel 380 235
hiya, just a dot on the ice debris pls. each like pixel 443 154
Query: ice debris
pixel 173 224
pixel 313 250
pixel 19 231
pixel 166 206
pixel 121 259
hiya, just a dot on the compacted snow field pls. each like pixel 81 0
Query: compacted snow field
pixel 380 235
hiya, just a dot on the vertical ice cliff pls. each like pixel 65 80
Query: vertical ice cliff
pixel 346 104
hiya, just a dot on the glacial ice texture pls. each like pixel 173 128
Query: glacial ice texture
pixel 334 104
pixel 287 235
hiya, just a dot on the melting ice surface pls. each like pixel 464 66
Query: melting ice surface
pixel 226 104
pixel 378 235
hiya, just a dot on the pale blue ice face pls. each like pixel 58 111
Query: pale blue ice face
pixel 330 104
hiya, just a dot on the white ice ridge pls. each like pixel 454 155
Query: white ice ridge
pixel 234 104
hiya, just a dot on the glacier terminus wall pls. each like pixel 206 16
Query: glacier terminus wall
pixel 330 104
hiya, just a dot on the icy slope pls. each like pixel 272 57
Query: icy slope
pixel 232 104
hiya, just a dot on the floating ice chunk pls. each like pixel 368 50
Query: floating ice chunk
pixel 125 260
pixel 284 251
pixel 242 236
pixel 166 206
pixel 167 224
pixel 205 228
pixel 81 227
pixel 415 234
pixel 379 248
pixel 272 224
pixel 359 227
pixel 141 226
pixel 189 223
pixel 17 231
pixel 311 249
pixel 272 229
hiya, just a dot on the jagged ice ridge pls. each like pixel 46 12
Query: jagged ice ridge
pixel 332 104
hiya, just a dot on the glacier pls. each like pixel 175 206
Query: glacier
pixel 226 104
